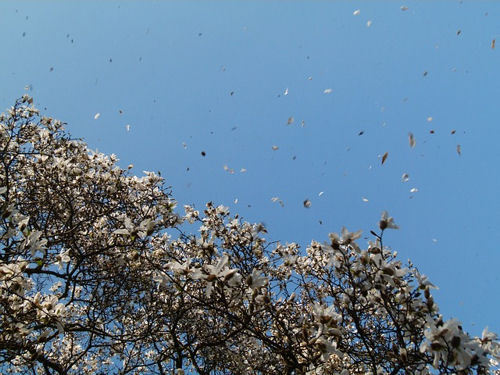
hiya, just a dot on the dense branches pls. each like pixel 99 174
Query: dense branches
pixel 99 275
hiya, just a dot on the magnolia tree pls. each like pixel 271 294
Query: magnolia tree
pixel 100 275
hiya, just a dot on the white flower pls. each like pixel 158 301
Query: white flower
pixel 387 221
pixel 221 272
pixel 325 314
pixel 191 214
pixel 256 280
pixel 346 237
pixel 180 268
pixel 34 243
pixel 62 257
pixel 423 281
pixel 488 336
pixel 222 210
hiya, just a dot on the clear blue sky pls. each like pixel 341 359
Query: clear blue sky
pixel 171 67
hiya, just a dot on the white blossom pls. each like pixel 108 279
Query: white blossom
pixel 99 274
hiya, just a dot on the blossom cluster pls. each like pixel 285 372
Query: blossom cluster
pixel 99 274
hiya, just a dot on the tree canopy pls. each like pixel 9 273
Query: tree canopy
pixel 100 274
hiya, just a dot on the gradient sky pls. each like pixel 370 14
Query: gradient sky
pixel 212 76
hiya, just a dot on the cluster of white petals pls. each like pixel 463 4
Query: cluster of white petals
pixel 99 274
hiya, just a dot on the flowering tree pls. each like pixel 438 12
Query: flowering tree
pixel 99 275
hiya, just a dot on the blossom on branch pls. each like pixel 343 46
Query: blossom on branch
pixel 99 274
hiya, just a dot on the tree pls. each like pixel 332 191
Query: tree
pixel 99 275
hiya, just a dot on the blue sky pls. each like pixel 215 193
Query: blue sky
pixel 211 76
